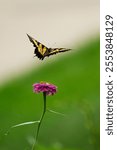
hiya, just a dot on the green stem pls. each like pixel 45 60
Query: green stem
pixel 38 128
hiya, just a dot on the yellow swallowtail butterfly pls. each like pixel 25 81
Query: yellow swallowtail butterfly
pixel 42 51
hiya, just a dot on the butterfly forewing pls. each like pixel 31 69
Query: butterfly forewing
pixel 57 50
pixel 40 49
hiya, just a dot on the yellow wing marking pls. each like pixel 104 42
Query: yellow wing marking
pixel 41 50
pixel 54 51
pixel 35 43
pixel 44 50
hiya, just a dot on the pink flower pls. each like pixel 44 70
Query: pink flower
pixel 46 87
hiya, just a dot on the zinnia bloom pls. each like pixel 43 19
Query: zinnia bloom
pixel 45 87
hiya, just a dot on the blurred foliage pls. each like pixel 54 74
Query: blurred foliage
pixel 77 77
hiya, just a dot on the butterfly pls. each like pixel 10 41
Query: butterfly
pixel 41 51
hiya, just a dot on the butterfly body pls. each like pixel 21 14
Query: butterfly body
pixel 41 51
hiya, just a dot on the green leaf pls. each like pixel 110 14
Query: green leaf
pixel 55 112
pixel 21 124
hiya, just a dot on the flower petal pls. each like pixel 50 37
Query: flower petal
pixel 46 87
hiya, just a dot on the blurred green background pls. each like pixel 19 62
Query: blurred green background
pixel 77 77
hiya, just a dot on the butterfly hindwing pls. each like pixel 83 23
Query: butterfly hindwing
pixel 41 51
